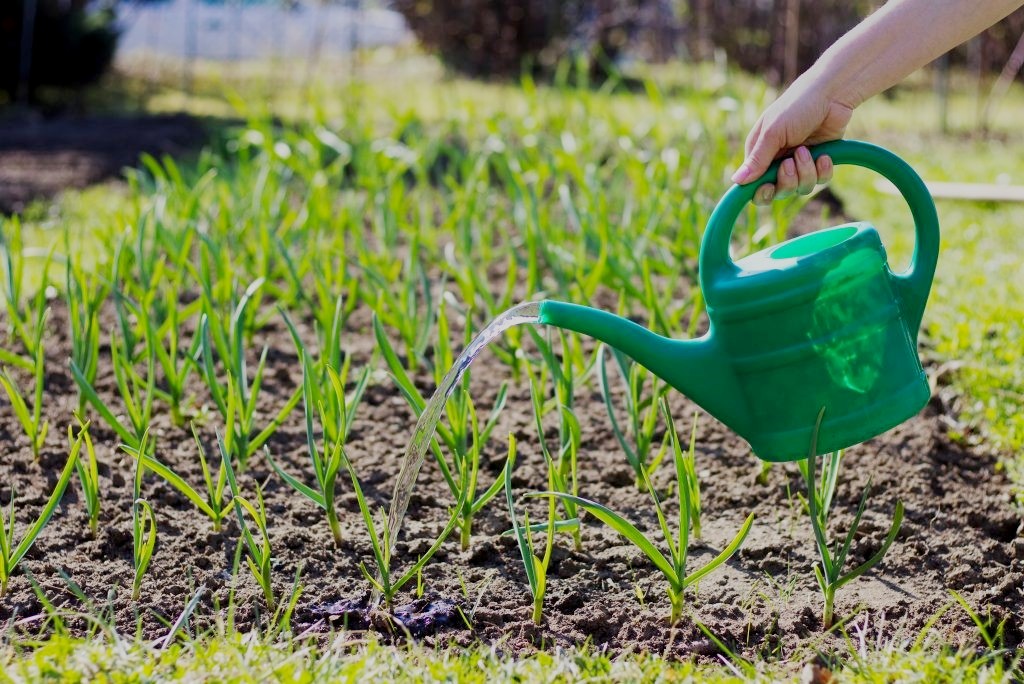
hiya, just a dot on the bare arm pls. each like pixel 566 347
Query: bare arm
pixel 901 37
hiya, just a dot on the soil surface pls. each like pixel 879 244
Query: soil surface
pixel 960 532
pixel 40 157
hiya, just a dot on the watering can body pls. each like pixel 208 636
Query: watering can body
pixel 816 322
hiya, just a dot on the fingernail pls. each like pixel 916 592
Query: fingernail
pixel 742 174
pixel 789 167
pixel 803 154
pixel 766 193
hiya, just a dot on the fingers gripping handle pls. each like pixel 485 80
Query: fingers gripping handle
pixel 913 284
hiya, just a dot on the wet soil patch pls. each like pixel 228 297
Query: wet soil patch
pixel 41 157
pixel 961 531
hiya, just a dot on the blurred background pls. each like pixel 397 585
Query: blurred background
pixel 53 49
pixel 69 65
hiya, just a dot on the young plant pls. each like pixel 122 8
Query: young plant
pixel 820 494
pixel 235 397
pixel 212 504
pixel 464 437
pixel 336 410
pixel 563 463
pixel 674 566
pixel 689 462
pixel 84 296
pixel 11 553
pixel 536 567
pixel 143 518
pixel 641 411
pixel 328 463
pixel 386 584
pixel 31 419
pixel 259 558
pixel 407 310
pixel 24 323
pixel 177 364
pixel 88 475
pixel 136 392
pixel 259 554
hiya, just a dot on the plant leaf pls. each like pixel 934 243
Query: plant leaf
pixel 624 528
pixel 46 514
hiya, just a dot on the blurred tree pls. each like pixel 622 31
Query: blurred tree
pixel 776 38
pixel 503 37
pixel 70 44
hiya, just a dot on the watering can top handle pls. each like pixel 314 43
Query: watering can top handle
pixel 913 284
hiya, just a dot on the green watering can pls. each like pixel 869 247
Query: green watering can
pixel 816 322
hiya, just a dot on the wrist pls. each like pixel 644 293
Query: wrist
pixel 838 84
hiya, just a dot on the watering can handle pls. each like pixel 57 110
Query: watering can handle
pixel 913 284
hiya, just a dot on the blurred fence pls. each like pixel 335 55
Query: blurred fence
pixel 247 29
pixel 776 38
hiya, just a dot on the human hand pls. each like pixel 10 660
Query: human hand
pixel 804 115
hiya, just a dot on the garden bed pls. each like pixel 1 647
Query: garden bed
pixel 960 531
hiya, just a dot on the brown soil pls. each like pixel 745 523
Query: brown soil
pixel 41 157
pixel 960 532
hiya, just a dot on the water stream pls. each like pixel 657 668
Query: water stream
pixel 416 452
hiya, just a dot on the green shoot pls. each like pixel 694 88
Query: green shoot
pixel 337 411
pixel 176 364
pixel 820 493
pixel 407 310
pixel 25 324
pixel 327 463
pixel 464 437
pixel 689 462
pixel 84 296
pixel 235 397
pixel 31 420
pixel 641 409
pixel 259 555
pixel 562 464
pixel 136 393
pixel 672 567
pixel 143 521
pixel 536 567
pixel 211 504
pixel 11 553
pixel 994 641
pixel 88 476
pixel 259 558
pixel 385 583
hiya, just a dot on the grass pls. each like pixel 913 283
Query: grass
pixel 452 209
pixel 245 658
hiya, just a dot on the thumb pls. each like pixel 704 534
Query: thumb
pixel 760 153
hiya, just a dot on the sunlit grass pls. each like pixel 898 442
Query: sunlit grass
pixel 248 658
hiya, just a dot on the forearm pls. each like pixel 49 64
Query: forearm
pixel 898 39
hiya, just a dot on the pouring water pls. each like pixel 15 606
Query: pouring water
pixel 415 453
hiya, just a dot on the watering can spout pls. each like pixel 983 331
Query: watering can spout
pixel 695 367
